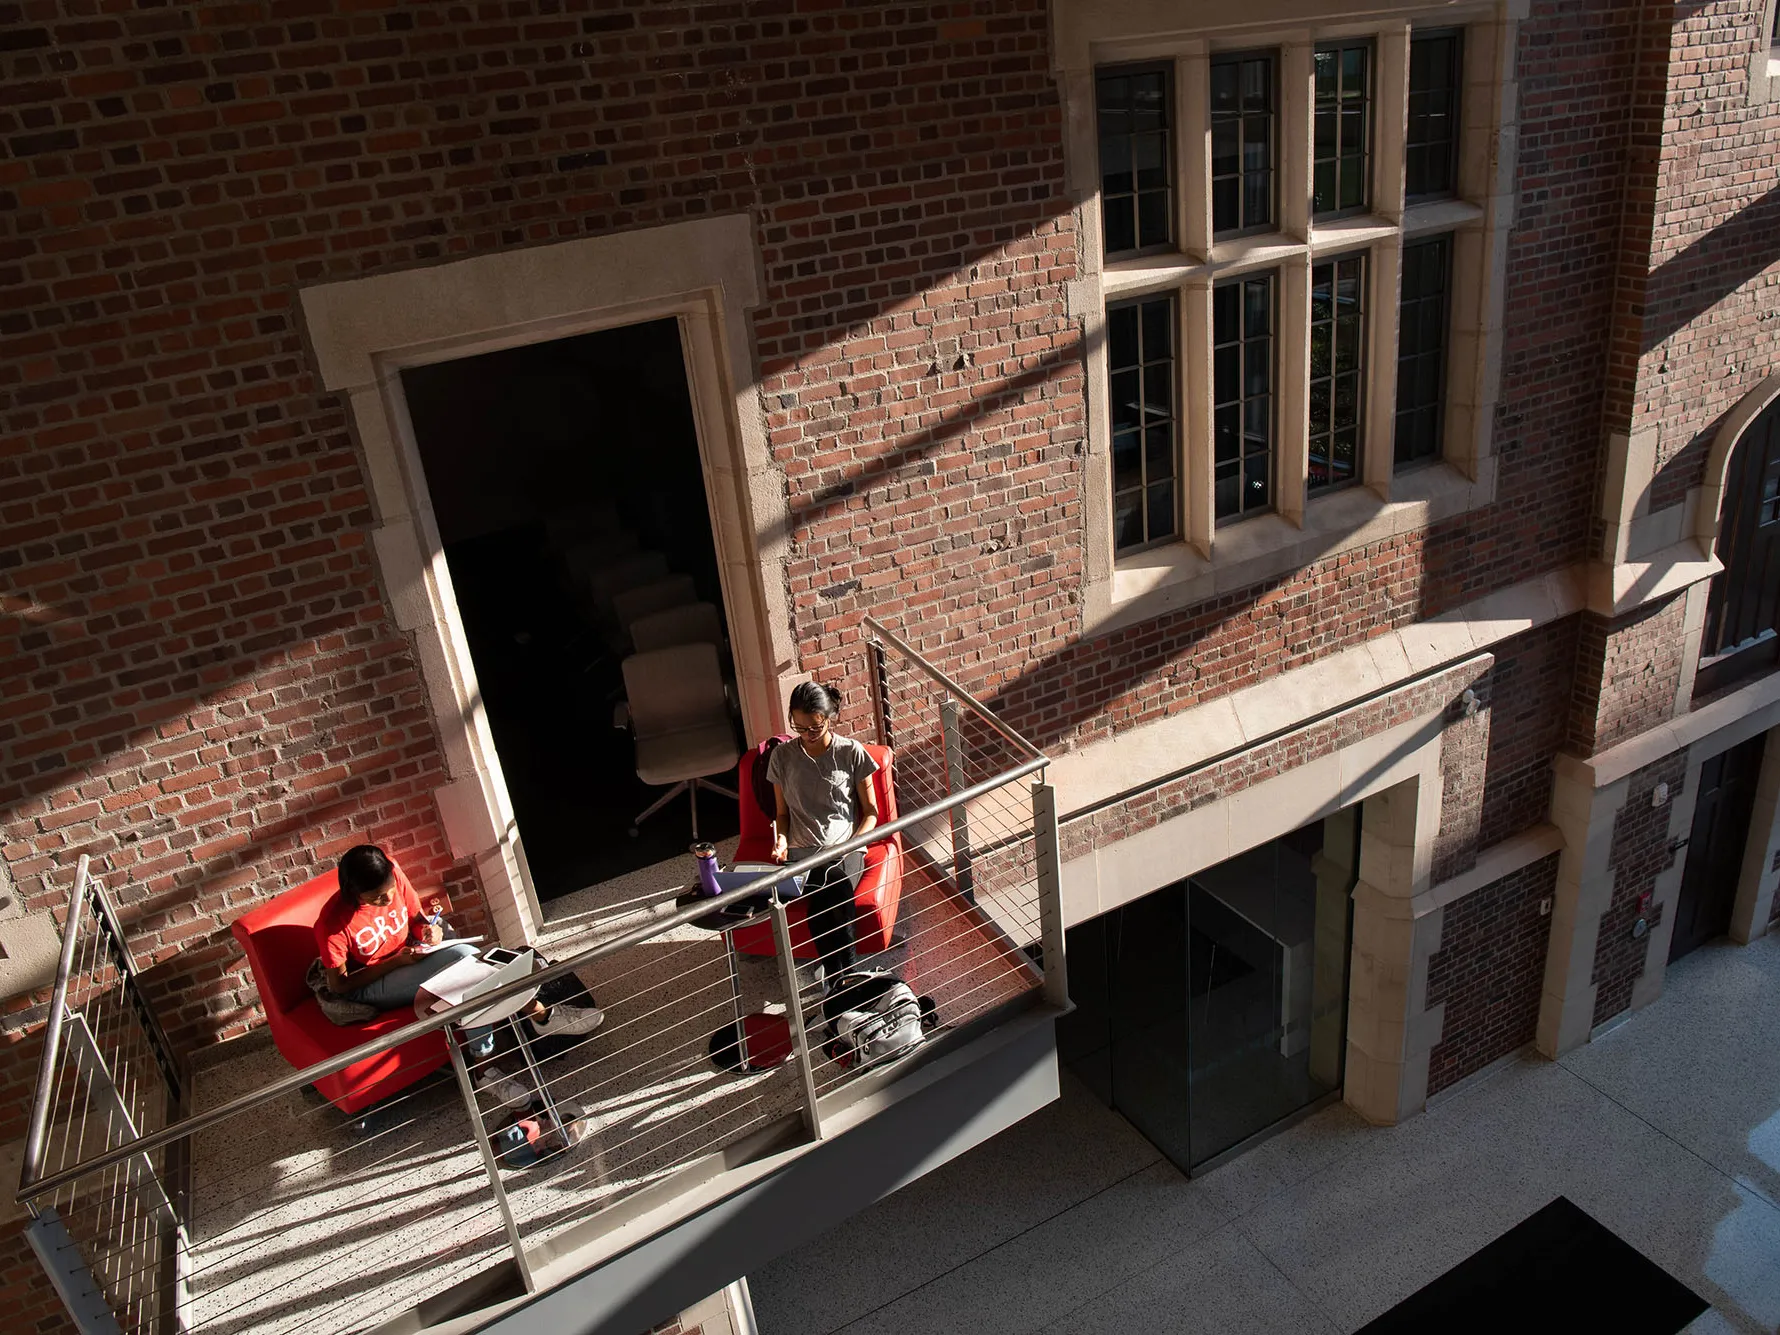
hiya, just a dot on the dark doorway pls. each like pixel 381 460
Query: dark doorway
pixel 1216 1007
pixel 1715 846
pixel 1743 608
pixel 562 474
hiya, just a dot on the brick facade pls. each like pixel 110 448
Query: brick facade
pixel 1628 672
pixel 1530 687
pixel 1640 854
pixel 1489 971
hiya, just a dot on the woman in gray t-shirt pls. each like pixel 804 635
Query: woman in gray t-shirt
pixel 823 791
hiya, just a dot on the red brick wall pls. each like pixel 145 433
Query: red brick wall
pixel 1627 674
pixel 1464 753
pixel 1490 971
pixel 1640 854
pixel 1711 308
pixel 1530 688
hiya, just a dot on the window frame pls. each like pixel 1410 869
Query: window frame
pixel 1170 157
pixel 1243 455
pixel 1400 467
pixel 1275 125
pixel 1368 152
pixel 1457 34
pixel 1174 424
pixel 1312 491
pixel 1211 555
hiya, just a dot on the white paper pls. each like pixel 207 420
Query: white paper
pixel 448 986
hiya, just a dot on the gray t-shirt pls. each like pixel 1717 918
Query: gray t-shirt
pixel 819 790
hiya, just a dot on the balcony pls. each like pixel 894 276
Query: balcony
pixel 238 1200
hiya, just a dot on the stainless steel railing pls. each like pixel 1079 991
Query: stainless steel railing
pixel 293 1220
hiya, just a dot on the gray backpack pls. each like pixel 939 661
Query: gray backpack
pixel 883 1020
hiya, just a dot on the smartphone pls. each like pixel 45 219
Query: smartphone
pixel 499 955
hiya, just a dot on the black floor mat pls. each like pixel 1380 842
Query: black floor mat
pixel 1555 1270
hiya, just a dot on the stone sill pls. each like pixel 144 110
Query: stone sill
pixel 1243 554
pixel 1747 706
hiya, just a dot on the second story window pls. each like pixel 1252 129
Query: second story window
pixel 1242 396
pixel 1242 142
pixel 1337 370
pixel 1141 363
pixel 1135 195
pixel 1421 349
pixel 1431 140
pixel 1342 151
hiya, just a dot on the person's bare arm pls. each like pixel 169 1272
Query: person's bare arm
pixel 781 825
pixel 868 808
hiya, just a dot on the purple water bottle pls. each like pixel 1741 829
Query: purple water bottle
pixel 707 868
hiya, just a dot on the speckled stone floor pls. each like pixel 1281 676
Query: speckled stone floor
pixel 301 1223
pixel 1666 1129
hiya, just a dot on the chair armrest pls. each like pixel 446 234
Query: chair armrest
pixel 621 715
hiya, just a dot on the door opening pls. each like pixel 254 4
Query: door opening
pixel 1715 846
pixel 1216 1007
pixel 568 489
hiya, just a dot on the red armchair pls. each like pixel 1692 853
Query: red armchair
pixel 279 938
pixel 880 888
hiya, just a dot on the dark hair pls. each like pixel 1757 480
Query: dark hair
pixel 364 869
pixel 811 698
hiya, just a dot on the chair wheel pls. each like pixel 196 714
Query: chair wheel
pixel 635 831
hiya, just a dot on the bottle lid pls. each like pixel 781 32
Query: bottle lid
pixel 704 850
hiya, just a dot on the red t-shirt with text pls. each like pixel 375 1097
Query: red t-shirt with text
pixel 369 932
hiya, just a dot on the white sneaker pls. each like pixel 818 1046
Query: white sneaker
pixel 569 1020
pixel 509 1092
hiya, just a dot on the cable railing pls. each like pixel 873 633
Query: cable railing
pixel 282 1215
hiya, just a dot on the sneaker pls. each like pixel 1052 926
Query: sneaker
pixel 503 1088
pixel 568 1020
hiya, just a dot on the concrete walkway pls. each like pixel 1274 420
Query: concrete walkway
pixel 1666 1129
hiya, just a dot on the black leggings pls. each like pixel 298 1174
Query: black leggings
pixel 828 910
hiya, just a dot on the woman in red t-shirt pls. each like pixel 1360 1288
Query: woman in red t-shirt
pixel 378 946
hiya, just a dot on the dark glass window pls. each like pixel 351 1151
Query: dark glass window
pixel 1337 369
pixel 1242 396
pixel 1135 176
pixel 1341 151
pixel 1242 112
pixel 1421 348
pixel 1430 146
pixel 1141 362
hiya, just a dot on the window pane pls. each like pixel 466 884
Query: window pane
pixel 1338 351
pixel 1136 160
pixel 1140 344
pixel 1421 349
pixel 1341 149
pixel 1242 360
pixel 1242 112
pixel 1431 140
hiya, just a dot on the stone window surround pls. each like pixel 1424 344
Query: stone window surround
pixel 704 273
pixel 1764 61
pixel 1215 559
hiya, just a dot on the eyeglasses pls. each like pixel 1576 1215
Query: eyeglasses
pixel 810 730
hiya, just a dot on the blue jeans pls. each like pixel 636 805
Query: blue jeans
pixel 398 987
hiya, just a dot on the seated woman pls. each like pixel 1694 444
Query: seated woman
pixel 823 791
pixel 378 946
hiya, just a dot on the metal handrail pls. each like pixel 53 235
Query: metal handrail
pixel 52 1040
pixel 197 1122
pixel 927 669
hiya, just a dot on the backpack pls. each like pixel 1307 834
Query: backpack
pixel 883 1020
pixel 763 786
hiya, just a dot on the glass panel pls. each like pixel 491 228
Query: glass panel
pixel 1242 383
pixel 1337 360
pixel 1161 517
pixel 1242 114
pixel 1267 949
pixel 1431 135
pixel 1126 408
pixel 1121 325
pixel 1158 330
pixel 1227 433
pixel 1127 461
pixel 1421 349
pixel 1147 963
pixel 1228 489
pixel 1158 452
pixel 1227 373
pixel 1135 159
pixel 1128 520
pixel 1342 106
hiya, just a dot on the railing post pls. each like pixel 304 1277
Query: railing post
pixel 800 1040
pixel 490 1163
pixel 1047 854
pixel 962 875
pixel 878 671
pixel 32 1167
